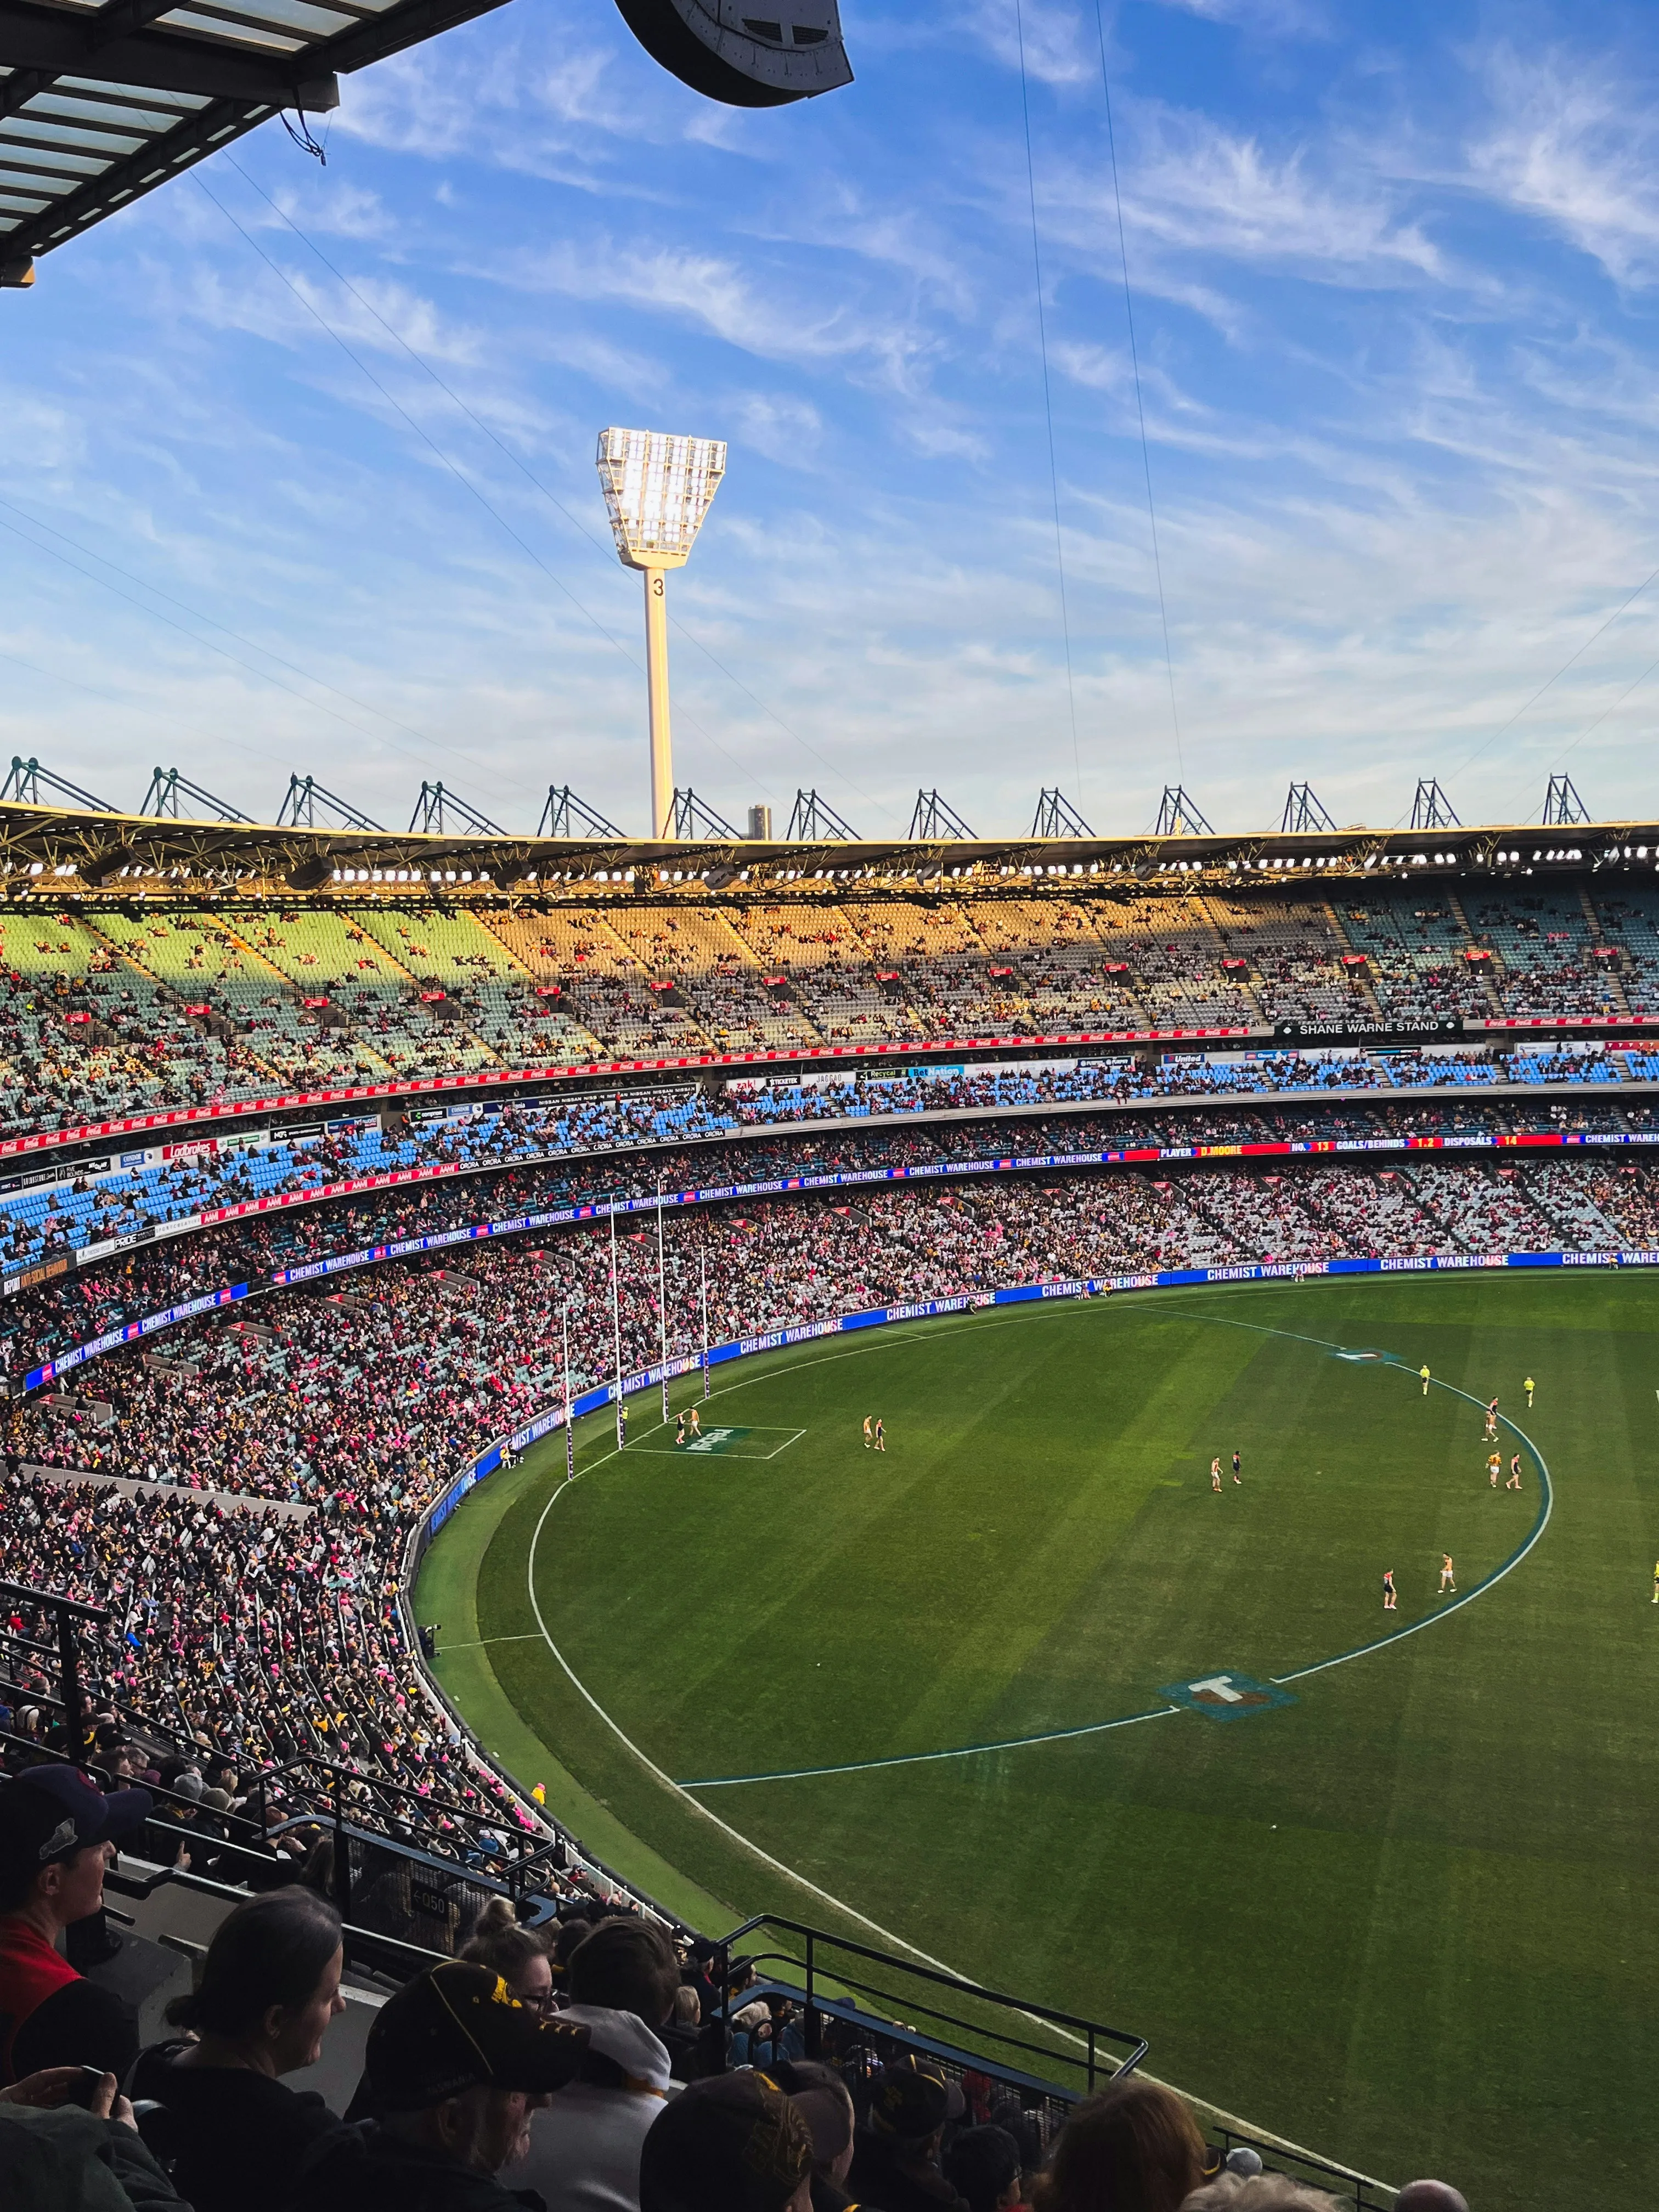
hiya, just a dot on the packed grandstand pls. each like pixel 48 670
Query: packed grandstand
pixel 117 1009
pixel 304 1197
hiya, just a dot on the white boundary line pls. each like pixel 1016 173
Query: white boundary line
pixel 1469 1596
pixel 1219 2113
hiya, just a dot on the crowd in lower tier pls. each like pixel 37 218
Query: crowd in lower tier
pixel 594 2067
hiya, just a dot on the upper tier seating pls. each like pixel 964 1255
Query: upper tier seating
pixel 121 1010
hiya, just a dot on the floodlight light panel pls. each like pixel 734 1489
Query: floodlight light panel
pixel 658 486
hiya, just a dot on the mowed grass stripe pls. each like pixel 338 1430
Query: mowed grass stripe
pixel 1410 1918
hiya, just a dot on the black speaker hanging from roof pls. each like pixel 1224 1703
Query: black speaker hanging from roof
pixel 748 53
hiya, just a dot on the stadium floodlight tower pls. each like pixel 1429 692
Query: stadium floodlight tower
pixel 658 487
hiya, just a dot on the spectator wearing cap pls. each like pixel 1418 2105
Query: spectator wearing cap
pixel 697 1974
pixel 585 2150
pixel 779 2037
pixel 234 2133
pixel 982 2165
pixel 895 2156
pixel 734 2143
pixel 1134 2146
pixel 820 2096
pixel 456 2068
pixel 57 1835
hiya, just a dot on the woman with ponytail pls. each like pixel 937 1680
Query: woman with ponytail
pixel 233 2134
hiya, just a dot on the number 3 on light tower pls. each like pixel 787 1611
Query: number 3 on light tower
pixel 657 584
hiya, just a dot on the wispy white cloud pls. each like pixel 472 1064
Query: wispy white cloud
pixel 1199 187
pixel 1573 141
pixel 713 293
pixel 1060 43
pixel 1401 450
pixel 786 430
pixel 1269 18
pixel 338 209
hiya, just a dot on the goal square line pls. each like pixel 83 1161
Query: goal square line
pixel 724 1440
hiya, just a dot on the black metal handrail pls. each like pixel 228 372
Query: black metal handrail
pixel 1368 2195
pixel 66 1611
pixel 879 2027
pixel 389 1954
pixel 1093 2033
pixel 528 1854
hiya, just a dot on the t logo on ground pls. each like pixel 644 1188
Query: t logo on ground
pixel 716 1440
pixel 725 1441
pixel 1226 1696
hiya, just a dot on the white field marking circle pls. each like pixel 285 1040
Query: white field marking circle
pixel 1219 2113
pixel 1130 1720
pixel 666 1782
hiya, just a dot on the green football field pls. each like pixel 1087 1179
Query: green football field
pixel 1400 1908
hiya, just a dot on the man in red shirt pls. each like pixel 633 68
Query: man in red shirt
pixel 58 1834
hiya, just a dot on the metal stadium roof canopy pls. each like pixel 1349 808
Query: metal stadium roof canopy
pixel 102 100
pixel 102 103
pixel 66 851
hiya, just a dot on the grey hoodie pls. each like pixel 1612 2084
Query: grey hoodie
pixel 585 2146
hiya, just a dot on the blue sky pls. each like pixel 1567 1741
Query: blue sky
pixel 1393 271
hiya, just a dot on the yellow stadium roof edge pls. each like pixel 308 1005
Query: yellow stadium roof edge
pixel 64 851
pixel 102 103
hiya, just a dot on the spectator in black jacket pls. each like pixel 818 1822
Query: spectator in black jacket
pixel 895 2159
pixel 983 2165
pixel 57 1835
pixel 456 2066
pixel 233 2134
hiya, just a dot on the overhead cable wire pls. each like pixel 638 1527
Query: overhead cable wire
pixel 1140 410
pixel 156 615
pixel 459 473
pixel 530 477
pixel 54 676
pixel 252 644
pixel 1613 709
pixel 1048 402
pixel 1486 744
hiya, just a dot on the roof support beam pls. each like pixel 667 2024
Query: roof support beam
pixel 205 132
pixel 44 44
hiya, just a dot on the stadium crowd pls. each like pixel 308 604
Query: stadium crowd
pixel 74 1306
pixel 88 1203
pixel 118 1012
pixel 592 2067
pixel 261 1641
pixel 241 1491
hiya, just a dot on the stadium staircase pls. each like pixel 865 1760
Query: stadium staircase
pixel 1365 990
pixel 126 952
pixel 1612 980
pixel 1488 972
pixel 163 996
pixel 1249 984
